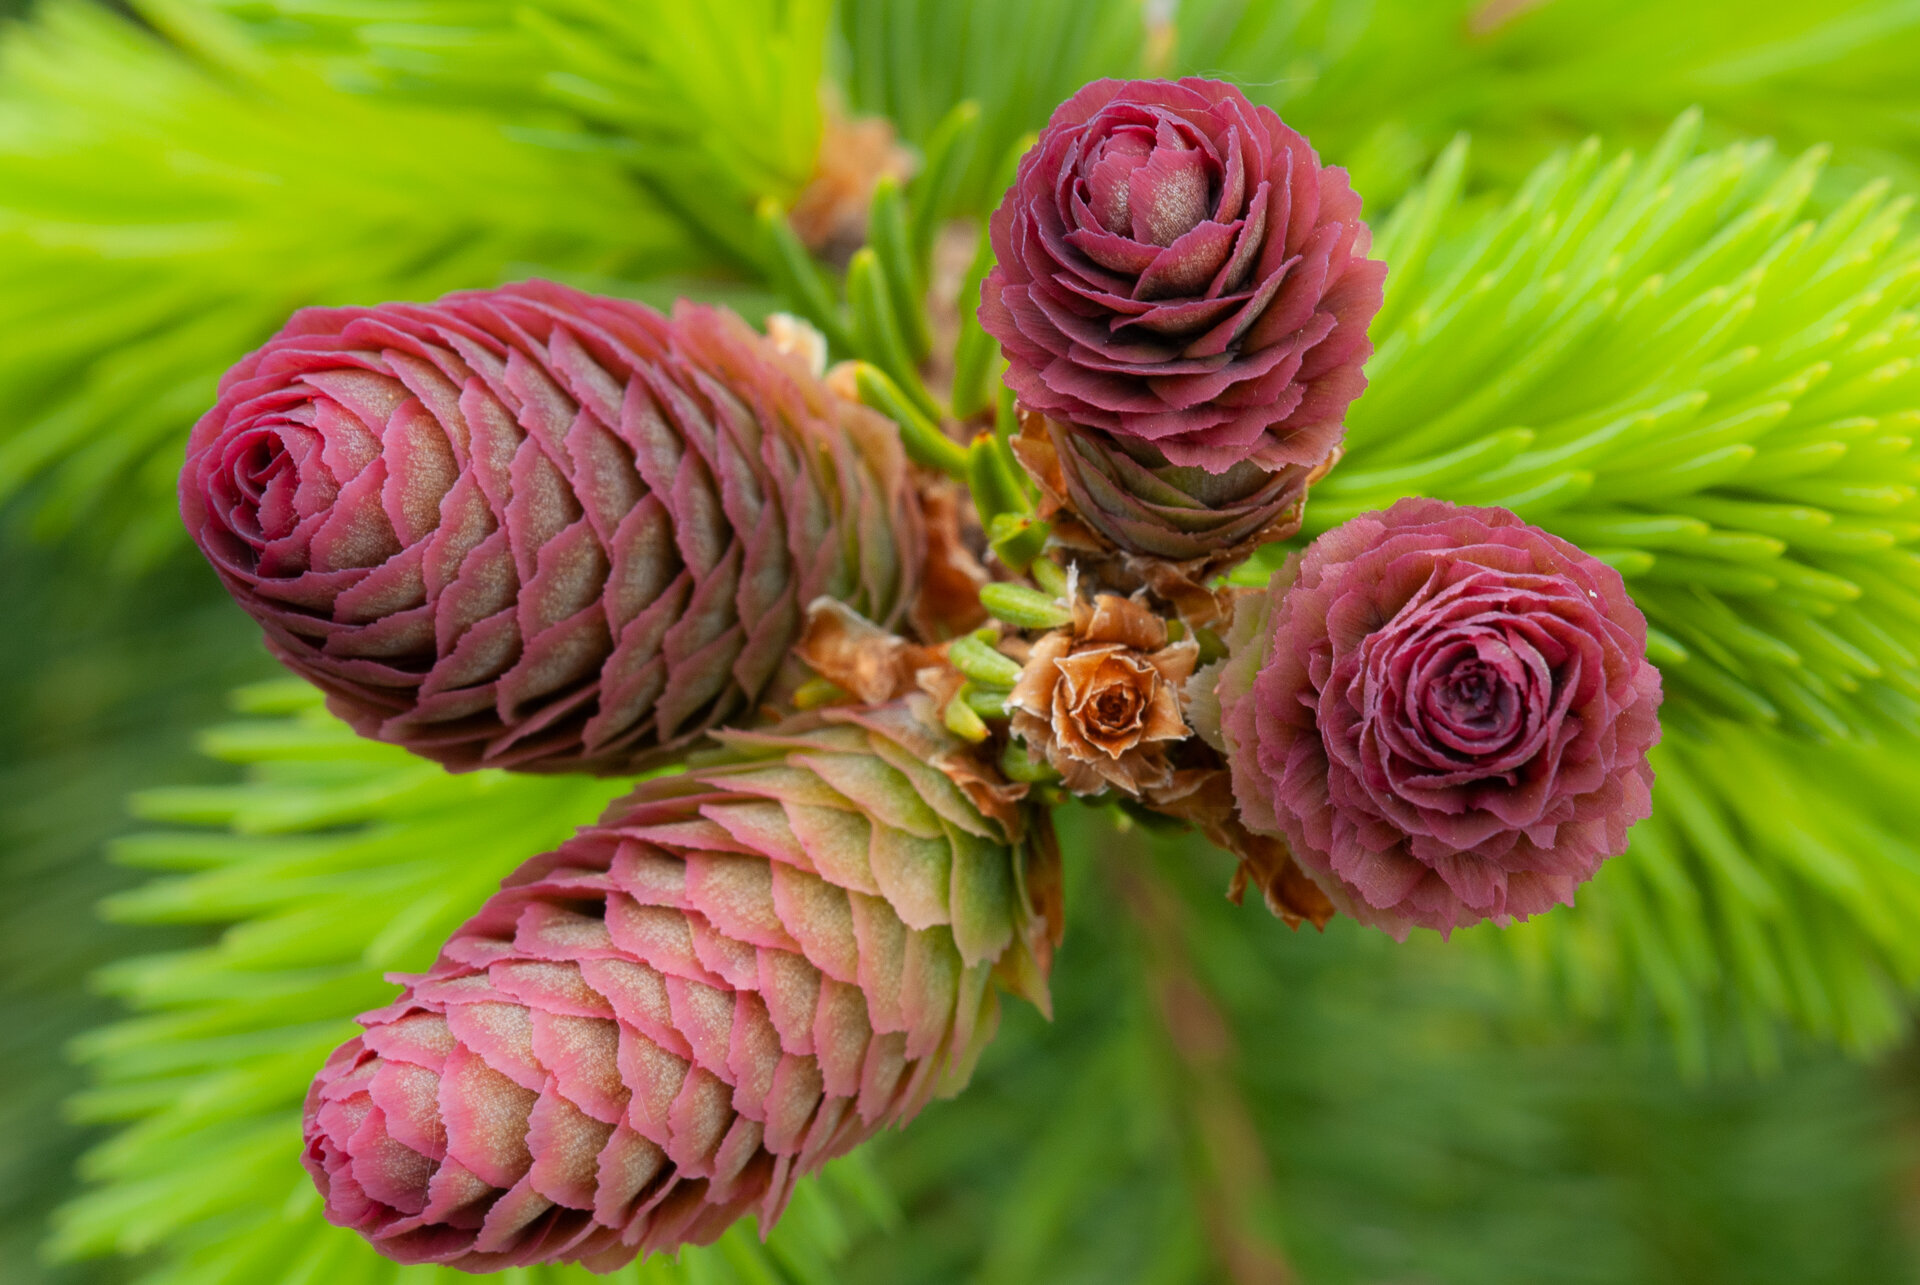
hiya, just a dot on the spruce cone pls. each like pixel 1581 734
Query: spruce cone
pixel 538 529
pixel 1174 266
pixel 1444 712
pixel 739 973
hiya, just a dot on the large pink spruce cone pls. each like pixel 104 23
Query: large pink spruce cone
pixel 534 528
pixel 1445 712
pixel 737 974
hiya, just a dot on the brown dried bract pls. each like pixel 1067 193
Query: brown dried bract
pixel 830 216
pixel 847 649
pixel 1101 699
pixel 951 577
pixel 1203 797
pixel 991 794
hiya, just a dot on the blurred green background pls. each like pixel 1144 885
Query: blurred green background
pixel 177 175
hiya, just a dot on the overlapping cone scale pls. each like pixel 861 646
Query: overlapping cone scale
pixel 1138 502
pixel 535 528
pixel 738 973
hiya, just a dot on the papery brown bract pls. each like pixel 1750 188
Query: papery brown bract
pixel 1445 712
pixel 540 529
pixel 1176 270
pixel 1100 699
pixel 830 213
pixel 737 974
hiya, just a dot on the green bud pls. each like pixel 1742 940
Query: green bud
pixel 1048 575
pixel 994 479
pixel 982 663
pixel 892 244
pixel 962 721
pixel 922 437
pixel 1023 607
pixel 1017 539
pixel 793 270
pixel 984 701
pixel 877 328
pixel 1016 764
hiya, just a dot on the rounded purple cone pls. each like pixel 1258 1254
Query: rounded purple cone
pixel 1445 712
pixel 1176 270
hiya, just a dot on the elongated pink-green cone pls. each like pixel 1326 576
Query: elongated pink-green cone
pixel 740 972
pixel 539 529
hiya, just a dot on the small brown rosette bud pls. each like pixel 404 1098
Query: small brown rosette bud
pixel 1101 699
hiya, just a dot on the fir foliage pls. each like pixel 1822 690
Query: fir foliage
pixel 712 105
pixel 915 60
pixel 1771 888
pixel 1382 87
pixel 97 698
